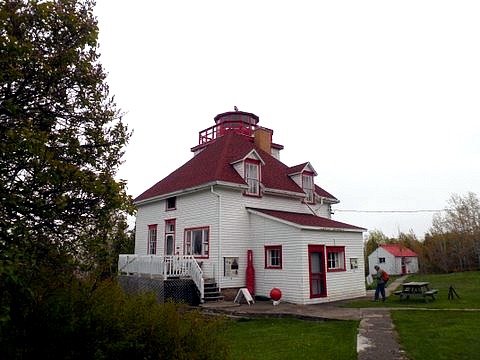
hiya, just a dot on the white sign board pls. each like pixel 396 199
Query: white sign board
pixel 244 293
pixel 369 279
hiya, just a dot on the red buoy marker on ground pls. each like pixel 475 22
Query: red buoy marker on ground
pixel 275 295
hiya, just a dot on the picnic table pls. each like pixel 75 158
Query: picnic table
pixel 414 289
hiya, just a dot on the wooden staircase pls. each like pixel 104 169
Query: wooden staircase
pixel 211 291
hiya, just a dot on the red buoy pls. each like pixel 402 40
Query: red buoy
pixel 250 273
pixel 275 294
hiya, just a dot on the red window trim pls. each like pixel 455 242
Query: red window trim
pixel 337 249
pixel 169 221
pixel 185 241
pixel 317 248
pixel 166 204
pixel 152 226
pixel 273 247
pixel 258 163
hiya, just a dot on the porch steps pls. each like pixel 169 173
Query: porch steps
pixel 211 291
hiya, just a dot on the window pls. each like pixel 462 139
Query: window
pixel 169 247
pixel 308 187
pixel 335 258
pixel 171 203
pixel 197 242
pixel 273 257
pixel 381 260
pixel 252 177
pixel 152 239
pixel 353 263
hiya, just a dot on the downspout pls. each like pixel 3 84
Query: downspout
pixel 219 242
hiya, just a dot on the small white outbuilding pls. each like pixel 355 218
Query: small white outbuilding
pixel 394 259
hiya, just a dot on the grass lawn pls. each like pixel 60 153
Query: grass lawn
pixel 466 284
pixel 292 339
pixel 438 334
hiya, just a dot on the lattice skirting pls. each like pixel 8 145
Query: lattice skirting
pixel 179 290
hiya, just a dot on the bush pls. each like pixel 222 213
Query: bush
pixel 86 321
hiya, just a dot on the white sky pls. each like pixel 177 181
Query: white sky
pixel 381 97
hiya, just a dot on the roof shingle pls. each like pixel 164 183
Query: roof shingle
pixel 214 164
pixel 397 250
pixel 307 219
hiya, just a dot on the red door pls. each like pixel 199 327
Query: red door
pixel 316 264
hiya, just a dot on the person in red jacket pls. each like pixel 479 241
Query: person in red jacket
pixel 380 289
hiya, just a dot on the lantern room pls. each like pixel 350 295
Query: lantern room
pixel 242 123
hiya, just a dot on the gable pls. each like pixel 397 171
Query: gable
pixel 301 168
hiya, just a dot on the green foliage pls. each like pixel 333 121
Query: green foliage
pixel 438 335
pixel 62 212
pixel 61 142
pixel 61 135
pixel 293 339
pixel 453 243
pixel 87 320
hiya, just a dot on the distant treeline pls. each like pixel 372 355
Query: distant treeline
pixel 452 243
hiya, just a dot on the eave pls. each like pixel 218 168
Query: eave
pixel 303 227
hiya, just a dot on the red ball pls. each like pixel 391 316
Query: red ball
pixel 275 294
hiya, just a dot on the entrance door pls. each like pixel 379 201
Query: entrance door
pixel 316 263
pixel 169 244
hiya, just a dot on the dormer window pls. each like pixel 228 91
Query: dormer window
pixel 252 177
pixel 308 187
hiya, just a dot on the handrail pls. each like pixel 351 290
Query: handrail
pixel 165 266
pixel 215 131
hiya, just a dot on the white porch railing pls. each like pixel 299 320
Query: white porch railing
pixel 165 266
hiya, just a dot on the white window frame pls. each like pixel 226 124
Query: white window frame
pixel 335 258
pixel 192 236
pixel 174 200
pixel 308 187
pixel 152 239
pixel 252 177
pixel 170 225
pixel 273 257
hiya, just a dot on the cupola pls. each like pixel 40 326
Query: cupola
pixel 241 123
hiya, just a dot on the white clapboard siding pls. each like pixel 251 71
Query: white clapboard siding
pixel 293 279
pixel 240 231
pixel 235 226
pixel 392 264
pixel 266 232
pixel 343 284
pixel 199 209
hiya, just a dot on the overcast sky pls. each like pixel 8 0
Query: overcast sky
pixel 381 97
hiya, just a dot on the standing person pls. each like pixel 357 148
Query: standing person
pixel 380 283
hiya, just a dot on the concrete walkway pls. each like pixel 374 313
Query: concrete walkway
pixel 376 340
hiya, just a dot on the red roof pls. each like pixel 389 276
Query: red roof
pixel 397 250
pixel 297 168
pixel 307 219
pixel 214 163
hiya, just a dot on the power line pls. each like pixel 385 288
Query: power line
pixel 391 211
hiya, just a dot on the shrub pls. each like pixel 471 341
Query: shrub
pixel 99 321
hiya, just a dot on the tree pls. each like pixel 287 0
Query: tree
pixel 454 239
pixel 61 142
